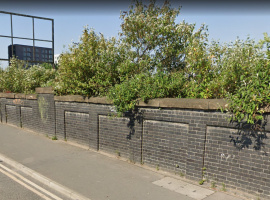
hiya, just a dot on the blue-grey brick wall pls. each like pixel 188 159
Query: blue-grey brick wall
pixel 246 169
pixel 182 141
pixel 73 122
pixel 27 120
pixel 77 127
pixel 165 145
pixel 46 113
pixel 118 137
pixel 12 116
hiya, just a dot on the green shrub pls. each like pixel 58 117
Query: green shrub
pixel 155 57
pixel 17 78
pixel 93 66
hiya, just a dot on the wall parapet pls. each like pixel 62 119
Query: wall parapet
pixel 181 138
pixel 18 96
pixel 185 103
pixel 200 104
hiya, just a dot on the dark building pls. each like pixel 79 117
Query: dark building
pixel 25 52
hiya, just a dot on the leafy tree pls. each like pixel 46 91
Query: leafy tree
pixel 159 45
pixel 155 57
pixel 158 42
pixel 93 65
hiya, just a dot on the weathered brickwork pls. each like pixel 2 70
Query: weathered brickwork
pixel 72 121
pixel 195 121
pixel 117 137
pixel 245 168
pixel 46 119
pixel 177 140
pixel 77 127
pixel 27 118
pixel 165 145
pixel 11 115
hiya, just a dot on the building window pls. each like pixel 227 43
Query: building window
pixel 24 54
pixel 28 49
pixel 42 51
pixel 37 55
pixel 42 55
pixel 28 58
pixel 37 51
pixel 50 56
pixel 24 49
pixel 42 60
pixel 46 51
pixel 29 54
pixel 46 56
pixel 50 51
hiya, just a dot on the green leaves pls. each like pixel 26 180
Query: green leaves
pixel 145 86
pixel 156 57
pixel 18 78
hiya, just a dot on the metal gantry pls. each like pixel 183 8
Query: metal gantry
pixel 33 39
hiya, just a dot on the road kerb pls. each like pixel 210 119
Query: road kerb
pixel 44 180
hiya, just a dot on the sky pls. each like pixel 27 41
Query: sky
pixel 226 20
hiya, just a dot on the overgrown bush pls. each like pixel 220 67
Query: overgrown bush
pixel 93 65
pixel 19 79
pixel 146 86
pixel 155 57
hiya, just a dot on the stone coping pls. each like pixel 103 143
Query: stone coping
pixel 44 90
pixel 18 96
pixel 200 104
pixel 79 98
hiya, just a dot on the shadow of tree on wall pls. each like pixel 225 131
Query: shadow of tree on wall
pixel 134 116
pixel 250 135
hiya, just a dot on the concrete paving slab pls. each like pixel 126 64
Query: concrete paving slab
pixel 170 183
pixel 184 188
pixel 194 191
pixel 221 196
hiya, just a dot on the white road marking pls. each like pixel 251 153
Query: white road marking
pixel 29 182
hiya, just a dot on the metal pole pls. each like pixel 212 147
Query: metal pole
pixel 11 36
pixel 33 38
pixel 53 42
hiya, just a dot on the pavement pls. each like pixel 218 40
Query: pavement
pixel 78 173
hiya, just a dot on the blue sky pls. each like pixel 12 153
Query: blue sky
pixel 226 19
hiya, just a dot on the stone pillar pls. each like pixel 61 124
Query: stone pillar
pixel 46 109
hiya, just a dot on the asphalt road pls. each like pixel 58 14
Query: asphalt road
pixel 15 185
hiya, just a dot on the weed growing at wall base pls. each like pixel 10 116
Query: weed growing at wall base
pixel 54 138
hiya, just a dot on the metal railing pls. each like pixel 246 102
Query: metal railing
pixel 33 39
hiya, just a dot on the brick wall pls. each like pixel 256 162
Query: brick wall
pixel 179 137
pixel 244 169
pixel 165 145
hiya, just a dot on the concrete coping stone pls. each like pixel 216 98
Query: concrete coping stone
pixel 202 104
pixel 31 96
pixel 7 95
pixel 20 96
pixel 44 90
pixel 79 98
